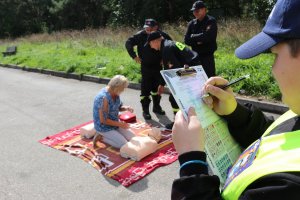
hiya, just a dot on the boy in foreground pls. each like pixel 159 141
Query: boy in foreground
pixel 274 173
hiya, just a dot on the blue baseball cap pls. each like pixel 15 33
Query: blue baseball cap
pixel 282 24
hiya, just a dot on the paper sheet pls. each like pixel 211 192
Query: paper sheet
pixel 221 149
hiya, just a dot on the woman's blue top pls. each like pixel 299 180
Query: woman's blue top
pixel 113 110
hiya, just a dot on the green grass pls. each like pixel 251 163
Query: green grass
pixel 102 53
pixel 261 82
pixel 80 57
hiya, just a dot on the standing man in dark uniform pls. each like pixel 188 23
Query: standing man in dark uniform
pixel 201 35
pixel 150 61
pixel 174 55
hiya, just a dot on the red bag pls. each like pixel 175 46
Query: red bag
pixel 127 117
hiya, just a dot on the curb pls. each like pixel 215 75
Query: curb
pixel 80 77
pixel 276 108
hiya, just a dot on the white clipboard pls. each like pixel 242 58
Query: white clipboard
pixel 186 86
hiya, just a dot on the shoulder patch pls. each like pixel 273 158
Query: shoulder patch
pixel 180 46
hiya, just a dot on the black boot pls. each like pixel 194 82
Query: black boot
pixel 146 115
pixel 169 126
pixel 156 105
pixel 145 105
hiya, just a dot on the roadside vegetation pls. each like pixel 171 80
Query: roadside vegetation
pixel 101 52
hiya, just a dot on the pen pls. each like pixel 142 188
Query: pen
pixel 228 84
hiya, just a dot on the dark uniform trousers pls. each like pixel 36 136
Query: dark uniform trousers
pixel 151 79
pixel 208 64
pixel 150 82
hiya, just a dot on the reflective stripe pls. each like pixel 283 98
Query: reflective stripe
pixel 276 153
pixel 154 93
pixel 287 115
pixel 144 97
pixel 180 46
pixel 175 109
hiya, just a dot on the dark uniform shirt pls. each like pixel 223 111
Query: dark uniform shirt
pixel 202 35
pixel 150 58
pixel 176 55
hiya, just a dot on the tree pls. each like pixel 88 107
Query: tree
pixel 134 12
pixel 262 9
pixel 20 17
pixel 79 14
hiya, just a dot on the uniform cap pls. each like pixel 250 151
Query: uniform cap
pixel 150 23
pixel 197 5
pixel 282 24
pixel 153 36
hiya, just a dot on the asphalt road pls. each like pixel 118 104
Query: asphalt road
pixel 33 106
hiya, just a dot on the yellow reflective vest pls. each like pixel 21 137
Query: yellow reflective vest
pixel 271 154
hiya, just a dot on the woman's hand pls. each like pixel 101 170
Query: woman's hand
pixel 188 135
pixel 123 125
pixel 221 101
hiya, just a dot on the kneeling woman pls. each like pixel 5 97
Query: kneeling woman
pixel 107 105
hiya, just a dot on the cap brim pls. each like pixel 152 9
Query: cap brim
pixel 146 26
pixel 193 9
pixel 256 45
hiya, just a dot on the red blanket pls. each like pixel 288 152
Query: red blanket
pixel 107 160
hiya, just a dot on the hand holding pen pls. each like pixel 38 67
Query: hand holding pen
pixel 221 101
pixel 229 84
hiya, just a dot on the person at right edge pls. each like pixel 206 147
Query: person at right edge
pixel 201 35
pixel 273 171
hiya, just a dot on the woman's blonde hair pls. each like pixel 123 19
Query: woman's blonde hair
pixel 118 83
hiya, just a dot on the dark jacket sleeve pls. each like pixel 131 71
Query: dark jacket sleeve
pixel 209 35
pixel 162 81
pixel 276 186
pixel 130 43
pixel 252 123
pixel 271 187
pixel 187 37
pixel 169 57
pixel 194 181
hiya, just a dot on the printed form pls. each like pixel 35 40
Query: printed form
pixel 221 149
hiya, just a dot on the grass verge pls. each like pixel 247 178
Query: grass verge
pixel 102 53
